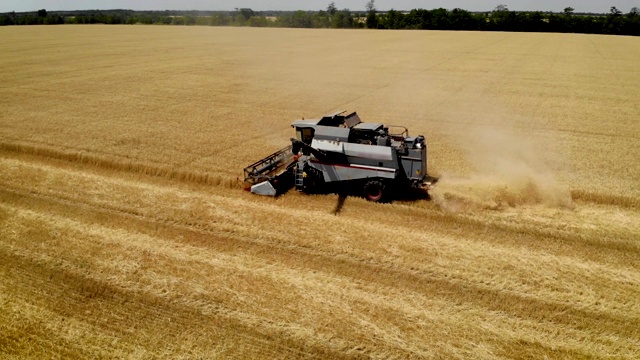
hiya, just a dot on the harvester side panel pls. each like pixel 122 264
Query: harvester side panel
pixel 347 172
pixel 382 153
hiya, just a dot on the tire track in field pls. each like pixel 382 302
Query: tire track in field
pixel 537 238
pixel 109 309
pixel 611 135
pixel 373 273
pixel 606 199
pixel 198 263
pixel 322 258
pixel 622 251
pixel 370 271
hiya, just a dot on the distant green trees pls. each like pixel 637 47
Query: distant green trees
pixel 41 17
pixel 331 18
pixel 500 19
pixel 372 18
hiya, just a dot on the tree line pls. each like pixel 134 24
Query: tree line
pixel 500 19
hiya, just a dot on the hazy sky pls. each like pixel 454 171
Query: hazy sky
pixel 599 6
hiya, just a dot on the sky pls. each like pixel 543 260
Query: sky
pixel 595 6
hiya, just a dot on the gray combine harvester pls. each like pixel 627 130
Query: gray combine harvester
pixel 340 154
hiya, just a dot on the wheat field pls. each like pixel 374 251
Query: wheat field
pixel 124 232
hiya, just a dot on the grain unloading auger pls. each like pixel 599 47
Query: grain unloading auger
pixel 340 154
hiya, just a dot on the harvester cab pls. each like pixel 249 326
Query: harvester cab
pixel 339 153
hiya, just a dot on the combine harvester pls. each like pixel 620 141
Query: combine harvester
pixel 340 154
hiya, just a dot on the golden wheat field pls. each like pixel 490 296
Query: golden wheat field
pixel 124 232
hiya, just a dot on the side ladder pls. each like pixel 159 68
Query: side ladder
pixel 299 177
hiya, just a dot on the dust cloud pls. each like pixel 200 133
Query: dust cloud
pixel 507 170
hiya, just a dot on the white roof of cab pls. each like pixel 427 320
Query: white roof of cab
pixel 368 126
pixel 305 123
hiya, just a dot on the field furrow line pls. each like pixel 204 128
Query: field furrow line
pixel 537 237
pixel 93 311
pixel 389 275
pixel 453 290
pixel 606 199
pixel 117 165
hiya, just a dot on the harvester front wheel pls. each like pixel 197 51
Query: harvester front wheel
pixel 374 191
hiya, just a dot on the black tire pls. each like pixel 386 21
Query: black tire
pixel 374 191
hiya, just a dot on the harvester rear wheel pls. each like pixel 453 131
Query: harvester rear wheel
pixel 374 191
